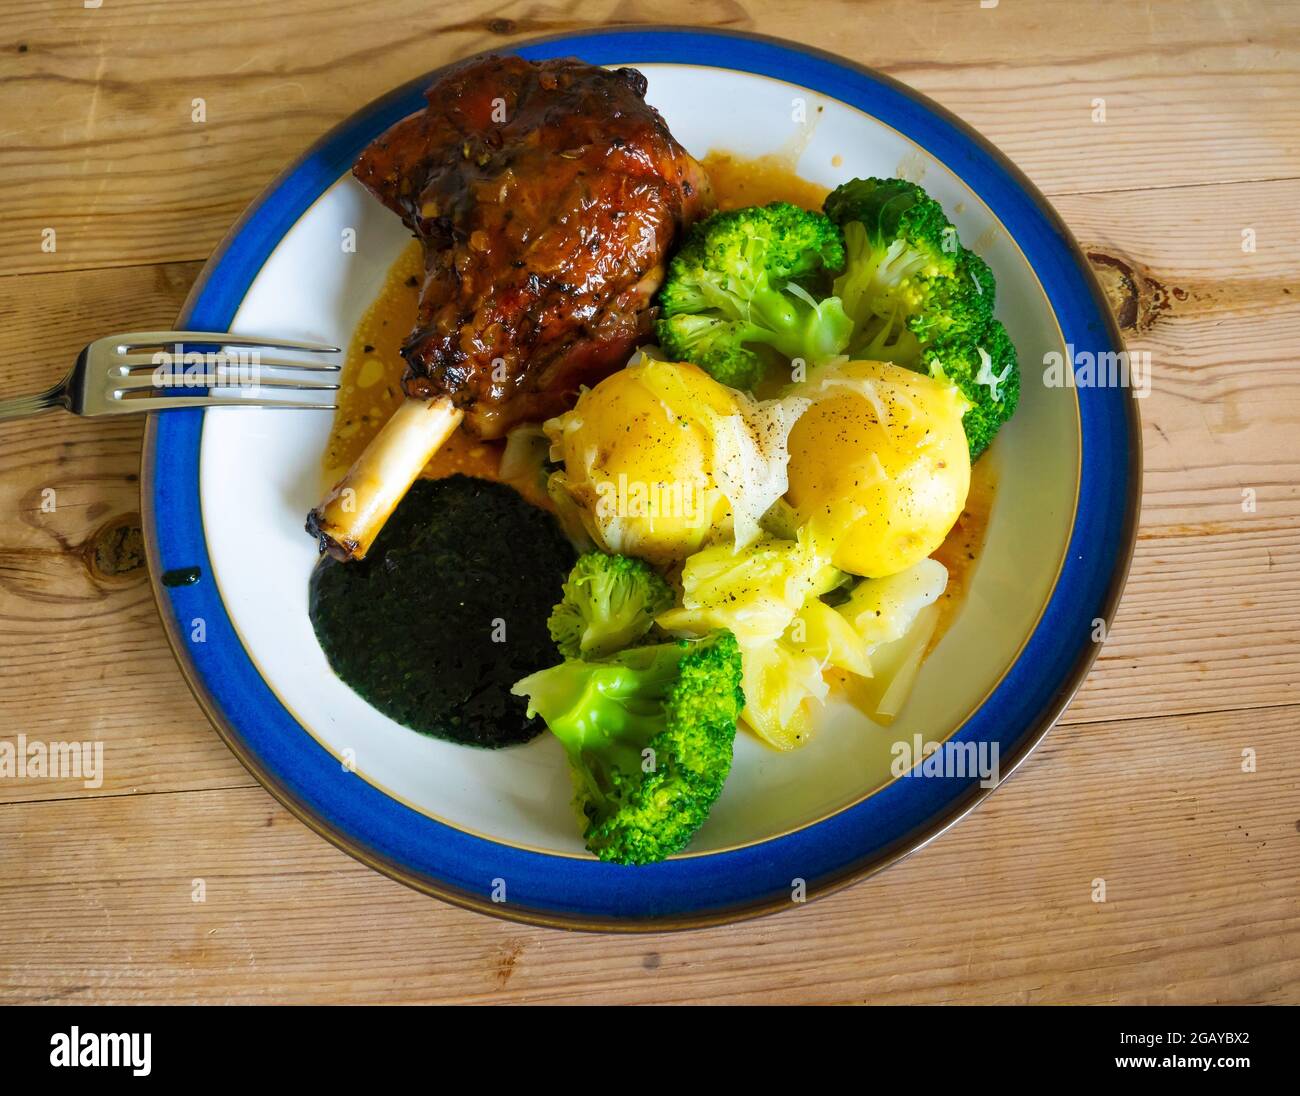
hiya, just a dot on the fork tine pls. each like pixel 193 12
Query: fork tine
pixel 220 338
pixel 143 382
pixel 138 361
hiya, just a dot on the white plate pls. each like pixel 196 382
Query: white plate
pixel 260 472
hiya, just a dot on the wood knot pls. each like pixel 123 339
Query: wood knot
pixel 501 26
pixel 116 549
pixel 1136 298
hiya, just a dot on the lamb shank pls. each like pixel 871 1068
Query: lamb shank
pixel 547 196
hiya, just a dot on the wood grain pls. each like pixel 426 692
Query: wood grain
pixel 1199 875
pixel 82 652
pixel 101 146
pixel 1141 785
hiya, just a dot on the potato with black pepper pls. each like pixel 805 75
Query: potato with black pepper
pixel 879 463
pixel 660 459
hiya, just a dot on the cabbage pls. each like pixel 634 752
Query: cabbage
pixel 882 610
pixel 781 683
pixel 755 593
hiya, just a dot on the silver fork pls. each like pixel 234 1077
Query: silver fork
pixel 158 370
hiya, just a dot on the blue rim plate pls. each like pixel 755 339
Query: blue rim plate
pixel 701 890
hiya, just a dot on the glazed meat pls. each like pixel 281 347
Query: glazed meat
pixel 546 195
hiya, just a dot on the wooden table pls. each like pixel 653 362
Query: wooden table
pixel 1142 783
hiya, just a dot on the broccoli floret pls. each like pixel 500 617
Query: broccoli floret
pixel 715 345
pixel 977 270
pixel 984 367
pixel 739 284
pixel 896 240
pixel 919 299
pixel 948 306
pixel 609 603
pixel 649 735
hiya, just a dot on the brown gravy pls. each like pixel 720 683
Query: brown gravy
pixel 962 547
pixel 371 384
pixel 745 182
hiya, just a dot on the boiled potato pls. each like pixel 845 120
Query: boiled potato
pixel 638 453
pixel 879 462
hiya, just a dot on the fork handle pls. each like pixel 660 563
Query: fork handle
pixel 20 407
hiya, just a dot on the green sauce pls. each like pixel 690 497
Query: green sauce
pixel 448 610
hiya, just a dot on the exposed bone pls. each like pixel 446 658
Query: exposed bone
pixel 349 518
